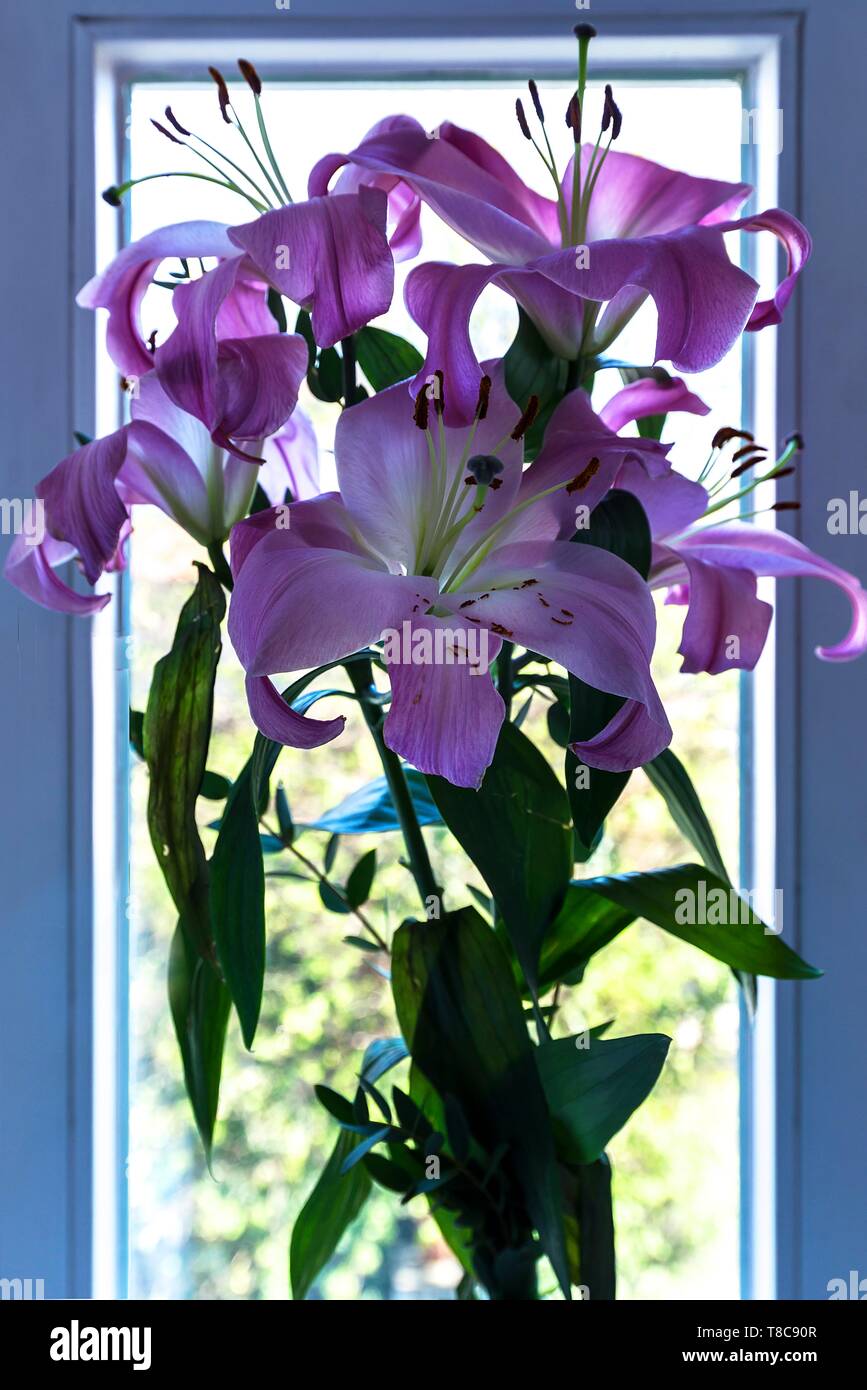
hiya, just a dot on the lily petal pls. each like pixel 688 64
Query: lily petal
pixel 404 206
pixel 31 568
pixel 329 255
pixel 647 397
pixel 82 505
pixel 445 716
pixel 291 461
pixel 702 300
pixel 393 506
pixel 587 610
pixel 122 286
pixel 670 501
pixel 242 388
pixel 466 182
pixel 798 245
pixel 295 606
pixel 278 721
pixel 634 197
pixel 582 452
pixel 737 547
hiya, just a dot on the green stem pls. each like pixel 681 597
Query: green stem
pixel 122 188
pixel 361 675
pixel 268 150
pixel 347 347
pixel 504 676
pixel 251 147
pixel 221 565
pixel 338 892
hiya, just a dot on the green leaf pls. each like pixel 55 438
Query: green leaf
pixel 585 923
pixel 328 1212
pixel 360 881
pixel 385 358
pixel 136 731
pixel 595 1230
pixel 277 309
pixel 380 1056
pixel 237 901
pixel 331 852
pixel 261 502
pixel 284 816
pixel 596 910
pixel 671 779
pixel 215 787
pixel 305 328
pixel 176 734
pixel 337 1106
pixel 387 1173
pixel 531 369
pixel 558 723
pixel 332 899
pixel 370 810
pixel 199 1003
pixel 325 379
pixel 462 1018
pixel 618 524
pixel 591 1091
pixel 516 831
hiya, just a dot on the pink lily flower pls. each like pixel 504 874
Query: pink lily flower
pixel 166 458
pixel 434 539
pixel 647 230
pixel 713 568
pixel 329 255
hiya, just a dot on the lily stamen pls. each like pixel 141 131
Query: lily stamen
pixel 191 135
pixel 778 468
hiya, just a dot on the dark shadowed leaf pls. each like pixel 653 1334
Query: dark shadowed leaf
pixel 671 779
pixel 330 1209
pixel 370 810
pixel 462 1017
pixel 531 369
pixel 332 899
pixel 360 881
pixel 176 733
pixel 516 831
pixel 385 358
pixel 595 1221
pixel 688 901
pixel 618 524
pixel 237 899
pixel 200 1004
pixel 215 787
pixel 591 1091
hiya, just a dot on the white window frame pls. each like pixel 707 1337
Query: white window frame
pixel 63 852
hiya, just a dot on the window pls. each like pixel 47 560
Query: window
pixel 677 1163
pixel 62 966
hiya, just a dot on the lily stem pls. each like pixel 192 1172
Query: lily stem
pixel 504 676
pixel 361 675
pixel 338 892
pixel 349 375
pixel 221 565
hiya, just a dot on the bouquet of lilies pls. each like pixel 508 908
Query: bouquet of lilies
pixel 492 533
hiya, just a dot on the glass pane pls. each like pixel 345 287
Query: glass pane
pixel 676 1164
